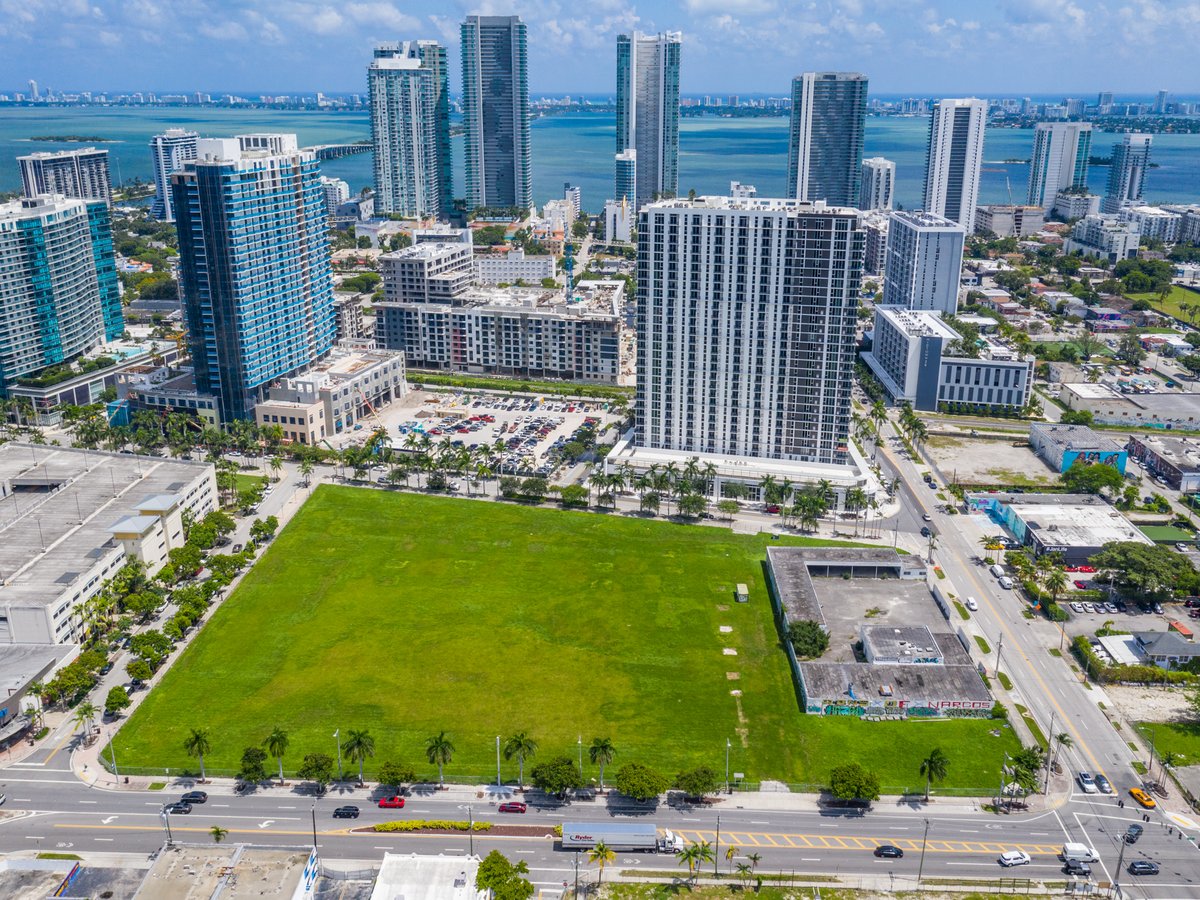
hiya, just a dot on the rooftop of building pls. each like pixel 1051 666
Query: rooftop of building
pixel 1166 643
pixel 22 663
pixel 1075 524
pixel 419 877
pixel 920 219
pixel 231 871
pixel 41 205
pixel 901 682
pixel 1182 452
pixel 344 363
pixel 917 322
pixel 428 249
pixel 896 641
pixel 792 571
pixel 600 298
pixel 1170 404
pixel 44 547
pixel 1074 437
pixel 58 154
pixel 753 204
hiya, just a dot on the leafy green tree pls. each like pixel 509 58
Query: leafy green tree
pixel 557 776
pixel 1148 572
pixel 698 782
pixel 521 745
pixel 601 753
pixel 396 774
pixel 640 782
pixel 1077 417
pixel 502 878
pixel 359 747
pixel 853 782
pixel 1090 478
pixel 439 751
pixel 934 767
pixel 197 744
pixel 317 768
pixel 254 767
pixel 139 670
pixel 117 700
pixel 807 638
pixel 152 646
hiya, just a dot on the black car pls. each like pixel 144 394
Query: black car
pixel 346 812
pixel 1133 833
pixel 178 809
pixel 887 851
pixel 1077 867
pixel 106 668
pixel 194 797
pixel 1143 867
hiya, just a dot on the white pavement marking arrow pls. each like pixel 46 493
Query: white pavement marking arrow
pixel 109 820
pixel 266 824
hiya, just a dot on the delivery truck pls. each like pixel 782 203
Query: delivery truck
pixel 1078 852
pixel 620 836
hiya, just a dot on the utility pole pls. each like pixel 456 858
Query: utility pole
pixel 577 874
pixel 999 650
pixel 1054 751
pixel 337 737
pixel 581 757
pixel 727 765
pixel 470 831
pixel 498 781
pixel 314 823
pixel 921 865
pixel 717 849
pixel 1120 862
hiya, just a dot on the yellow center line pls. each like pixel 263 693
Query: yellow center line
pixel 70 734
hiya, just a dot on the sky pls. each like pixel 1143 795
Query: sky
pixel 985 47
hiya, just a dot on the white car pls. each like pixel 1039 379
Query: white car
pixel 1014 858
pixel 1087 782
pixel 972 604
pixel 927 517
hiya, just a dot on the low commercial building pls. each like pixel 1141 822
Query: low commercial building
pixel 232 872
pixel 1169 409
pixel 1009 221
pixel 1104 236
pixel 912 670
pixel 1077 526
pixel 513 266
pixel 163 389
pixel 20 666
pixel 1166 649
pixel 537 334
pixel 74 518
pixel 416 877
pixel 920 360
pixel 1176 460
pixel 1060 446
pixel 349 384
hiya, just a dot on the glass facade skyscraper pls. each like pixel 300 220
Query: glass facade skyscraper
pixel 496 112
pixel 59 293
pixel 648 115
pixel 1060 160
pixel 254 265
pixel 1127 172
pixel 825 148
pixel 169 151
pixel 953 159
pixel 407 85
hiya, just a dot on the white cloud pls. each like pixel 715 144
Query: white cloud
pixel 381 15
pixel 224 31
pixel 730 7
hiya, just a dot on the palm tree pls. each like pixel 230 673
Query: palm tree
pixel 218 833
pixel 602 855
pixel 520 745
pixel 85 714
pixel 277 744
pixel 730 853
pixel 755 859
pixel 934 768
pixel 696 855
pixel 744 872
pixel 197 744
pixel 306 470
pixel 601 753
pixel 439 751
pixel 992 544
pixel 359 746
pixel 276 466
pixel 1056 580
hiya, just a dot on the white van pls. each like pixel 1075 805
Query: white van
pixel 1006 582
pixel 1078 852
pixel 997 571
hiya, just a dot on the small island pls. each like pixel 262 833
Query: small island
pixel 71 139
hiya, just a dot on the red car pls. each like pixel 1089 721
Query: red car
pixel 391 803
pixel 1070 568
pixel 513 806
pixel 1088 569
pixel 772 508
pixel 1082 585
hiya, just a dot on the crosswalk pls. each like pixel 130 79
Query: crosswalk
pixel 759 839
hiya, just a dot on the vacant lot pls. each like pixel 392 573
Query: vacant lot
pixel 982 461
pixel 1179 295
pixel 409 615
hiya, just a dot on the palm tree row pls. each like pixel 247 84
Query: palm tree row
pixel 912 425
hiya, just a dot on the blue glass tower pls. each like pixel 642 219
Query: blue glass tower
pixel 58 283
pixel 254 265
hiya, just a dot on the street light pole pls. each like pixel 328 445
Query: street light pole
pixel 717 849
pixel 112 754
pixel 166 819
pixel 1120 862
pixel 727 765
pixel 999 650
pixel 498 781
pixel 470 830
pixel 581 757
pixel 921 865
pixel 1053 754
pixel 314 823
pixel 337 737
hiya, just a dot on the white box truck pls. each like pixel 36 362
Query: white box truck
pixel 620 836
pixel 1078 852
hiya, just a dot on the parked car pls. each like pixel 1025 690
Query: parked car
pixel 513 806
pixel 1087 782
pixel 1132 833
pixel 1081 585
pixel 1143 867
pixel 194 797
pixel 972 604
pixel 1142 798
pixel 346 812
pixel 1014 858
pixel 391 803
pixel 889 851
pixel 178 809
pixel 1076 607
pixel 1103 784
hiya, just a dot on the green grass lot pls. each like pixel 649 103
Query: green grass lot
pixel 1171 307
pixel 1166 534
pixel 1174 737
pixel 247 482
pixel 406 615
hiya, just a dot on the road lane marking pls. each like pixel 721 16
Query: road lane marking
pixel 34 837
pixel 107 840
pixel 89 801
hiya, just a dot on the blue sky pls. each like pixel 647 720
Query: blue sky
pixel 950 46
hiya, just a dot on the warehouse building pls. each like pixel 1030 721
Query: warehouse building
pixel 1174 459
pixel 1060 446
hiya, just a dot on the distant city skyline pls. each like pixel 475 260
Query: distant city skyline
pixel 929 46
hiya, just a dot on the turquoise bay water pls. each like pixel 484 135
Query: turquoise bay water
pixel 578 148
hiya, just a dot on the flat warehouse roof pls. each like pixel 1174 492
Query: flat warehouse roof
pixel 863 681
pixel 1074 525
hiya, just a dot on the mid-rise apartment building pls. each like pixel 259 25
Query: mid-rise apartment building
pixel 923 261
pixel 80 174
pixel 514 266
pixel 1104 236
pixel 1004 220
pixel 878 184
pixel 428 272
